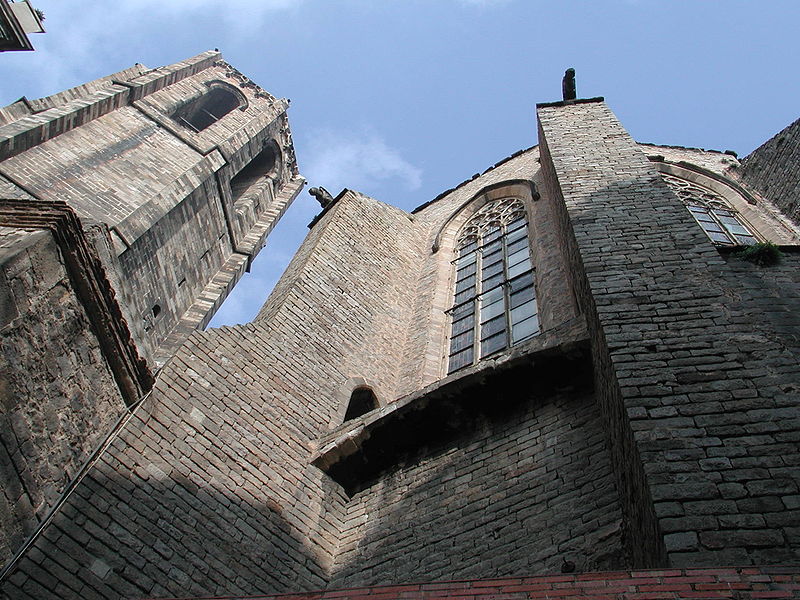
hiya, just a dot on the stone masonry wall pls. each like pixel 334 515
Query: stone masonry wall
pixel 640 524
pixel 343 291
pixel 167 265
pixel 514 495
pixel 774 170
pixel 208 489
pixel 106 168
pixel 676 352
pixel 58 396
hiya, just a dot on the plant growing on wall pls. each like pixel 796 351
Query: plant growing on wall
pixel 763 254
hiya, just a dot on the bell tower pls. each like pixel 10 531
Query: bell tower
pixel 184 168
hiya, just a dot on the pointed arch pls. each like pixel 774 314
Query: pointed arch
pixel 355 398
pixel 494 300
pixel 203 111
pixel 721 222
pixel 760 219
pixel 362 401
pixel 259 178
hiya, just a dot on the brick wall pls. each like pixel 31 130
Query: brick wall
pixel 669 584
pixel 676 348
pixel 209 488
pixel 113 152
pixel 365 267
pixel 210 485
pixel 518 493
pixel 427 343
pixel 168 265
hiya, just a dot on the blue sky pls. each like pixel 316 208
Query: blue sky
pixel 401 99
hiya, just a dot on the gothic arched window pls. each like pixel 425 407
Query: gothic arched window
pixel 208 108
pixel 720 222
pixel 494 303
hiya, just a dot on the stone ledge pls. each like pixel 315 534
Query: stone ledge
pixel 570 102
pixel 356 453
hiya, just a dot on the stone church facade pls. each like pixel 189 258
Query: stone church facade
pixel 565 365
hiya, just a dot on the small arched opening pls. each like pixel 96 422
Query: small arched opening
pixel 208 108
pixel 362 401
pixel 255 174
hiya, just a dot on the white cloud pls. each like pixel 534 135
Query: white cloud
pixel 361 162
pixel 237 15
pixel 78 46
pixel 357 160
pixel 188 5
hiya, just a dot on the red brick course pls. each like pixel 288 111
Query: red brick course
pixel 746 583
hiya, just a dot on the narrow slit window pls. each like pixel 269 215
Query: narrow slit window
pixel 494 301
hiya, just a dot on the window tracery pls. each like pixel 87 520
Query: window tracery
pixel 494 303
pixel 720 222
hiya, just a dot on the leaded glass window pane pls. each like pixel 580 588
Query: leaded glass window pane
pixel 493 326
pixel 466 271
pixel 465 295
pixel 524 329
pixel 521 297
pixel 493 282
pixel 465 260
pixel 493 344
pixel 514 236
pixel 520 282
pixel 492 270
pixel 492 295
pixel 518 244
pixel 720 222
pixel 462 341
pixel 461 359
pixel 461 310
pixel 523 311
pixel 493 245
pixel 519 268
pixel 518 256
pixel 466 283
pixel 465 324
pixel 489 311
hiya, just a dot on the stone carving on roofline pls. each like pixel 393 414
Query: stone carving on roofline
pixel 322 195
pixel 568 85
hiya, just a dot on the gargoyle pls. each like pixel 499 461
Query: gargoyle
pixel 322 195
